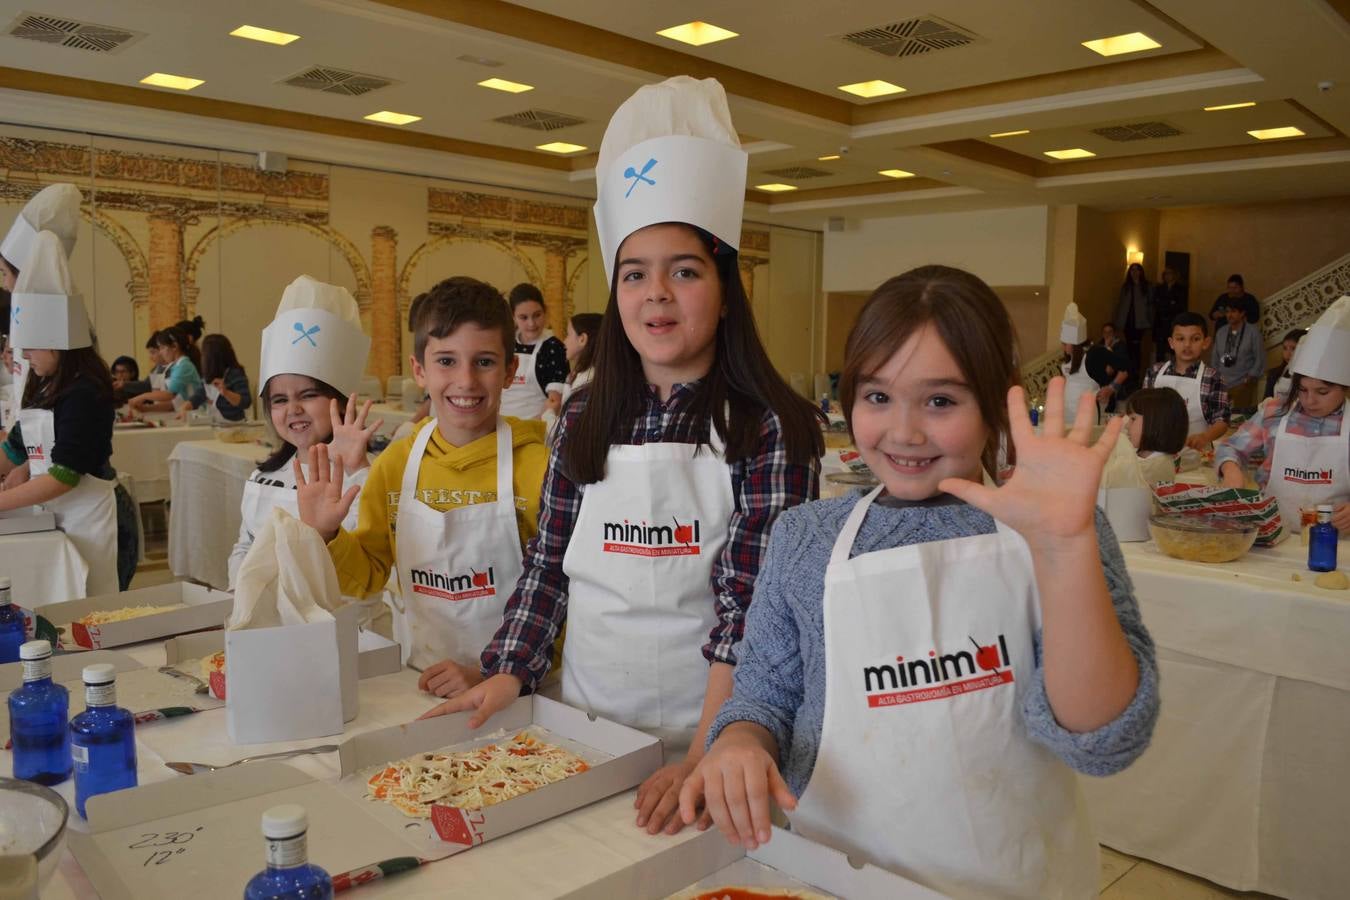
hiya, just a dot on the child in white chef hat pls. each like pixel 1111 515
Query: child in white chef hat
pixel 926 666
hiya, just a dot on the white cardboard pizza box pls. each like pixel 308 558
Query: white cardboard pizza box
pixel 376 654
pixel 1127 509
pixel 620 758
pixel 201 836
pixel 205 608
pixel 786 861
pixel 292 682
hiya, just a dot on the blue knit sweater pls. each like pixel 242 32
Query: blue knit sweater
pixel 780 671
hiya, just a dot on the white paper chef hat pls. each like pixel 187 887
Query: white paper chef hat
pixel 55 208
pixel 45 312
pixel 316 333
pixel 1324 352
pixel 670 154
pixel 1074 328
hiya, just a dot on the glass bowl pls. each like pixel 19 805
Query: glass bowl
pixel 1207 539
pixel 33 820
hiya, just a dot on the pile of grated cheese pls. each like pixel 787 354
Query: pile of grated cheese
pixel 104 617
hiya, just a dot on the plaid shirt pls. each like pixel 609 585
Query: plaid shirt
pixel 1259 432
pixel 763 486
pixel 1213 395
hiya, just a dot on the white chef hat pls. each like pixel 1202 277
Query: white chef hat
pixel 1324 352
pixel 316 333
pixel 670 154
pixel 45 312
pixel 1074 328
pixel 55 208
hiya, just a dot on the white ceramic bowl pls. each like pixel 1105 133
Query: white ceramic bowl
pixel 33 820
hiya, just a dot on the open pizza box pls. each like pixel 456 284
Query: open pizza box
pixel 788 866
pixel 202 608
pixel 375 654
pixel 619 757
pixel 26 520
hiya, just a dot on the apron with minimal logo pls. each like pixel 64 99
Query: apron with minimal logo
pixel 925 766
pixel 1189 389
pixel 456 569
pixel 640 603
pixel 524 396
pixel 1306 471
pixel 87 513
pixel 1075 386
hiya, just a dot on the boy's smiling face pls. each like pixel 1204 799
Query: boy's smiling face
pixel 464 373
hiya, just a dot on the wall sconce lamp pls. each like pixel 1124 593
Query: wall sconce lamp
pixel 1133 256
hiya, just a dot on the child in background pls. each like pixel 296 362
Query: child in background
pixel 1073 339
pixel 451 507
pixel 580 345
pixel 930 663
pixel 226 382
pixel 541 359
pixel 191 331
pixel 1200 387
pixel 182 380
pixel 1279 380
pixel 1157 432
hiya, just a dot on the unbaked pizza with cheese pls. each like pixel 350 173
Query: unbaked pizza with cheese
pixel 747 892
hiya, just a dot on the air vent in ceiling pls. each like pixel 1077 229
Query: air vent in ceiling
pixel 540 120
pixel 911 37
pixel 797 173
pixel 71 33
pixel 480 60
pixel 1140 131
pixel 337 81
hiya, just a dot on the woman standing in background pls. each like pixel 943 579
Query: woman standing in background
pixel 1134 312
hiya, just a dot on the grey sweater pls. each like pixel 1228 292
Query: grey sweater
pixel 780 673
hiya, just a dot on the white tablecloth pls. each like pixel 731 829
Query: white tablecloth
pixel 43 567
pixel 1246 780
pixel 143 453
pixel 392 414
pixel 207 480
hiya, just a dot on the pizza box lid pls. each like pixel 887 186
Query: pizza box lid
pixel 787 862
pixel 620 758
pixel 205 608
pixel 376 654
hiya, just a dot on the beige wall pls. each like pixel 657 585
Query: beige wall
pixel 1102 239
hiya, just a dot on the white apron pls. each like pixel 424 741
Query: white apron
pixel 1283 385
pixel 87 513
pixel 640 603
pixel 1305 471
pixel 925 767
pixel 456 569
pixel 524 396
pixel 18 372
pixel 1189 389
pixel 1075 386
pixel 159 380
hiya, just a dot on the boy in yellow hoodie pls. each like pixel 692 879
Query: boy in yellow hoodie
pixel 451 506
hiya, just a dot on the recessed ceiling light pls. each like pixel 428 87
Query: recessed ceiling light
pixel 1002 134
pixel 501 84
pixel 775 188
pixel 869 89
pixel 828 158
pixel 559 147
pixel 177 82
pixel 1270 134
pixel 266 35
pixel 1133 42
pixel 1072 153
pixel 1230 106
pixel 896 173
pixel 386 117
pixel 697 33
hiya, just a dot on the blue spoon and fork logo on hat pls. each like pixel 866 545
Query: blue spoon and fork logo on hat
pixel 305 334
pixel 637 176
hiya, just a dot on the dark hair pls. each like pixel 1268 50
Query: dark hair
pixel 455 301
pixel 218 357
pixel 173 336
pixel 129 363
pixel 283 454
pixel 413 309
pixel 192 329
pixel 153 341
pixel 587 324
pixel 741 378
pixel 71 365
pixel 1295 335
pixel 1236 279
pixel 1143 276
pixel 1075 359
pixel 524 293
pixel 1277 372
pixel 1189 319
pixel 969 319
pixel 1165 420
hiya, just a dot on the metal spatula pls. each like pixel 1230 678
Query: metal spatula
pixel 192 768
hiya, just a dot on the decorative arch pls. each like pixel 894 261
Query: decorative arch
pixel 437 241
pixel 138 285
pixel 569 294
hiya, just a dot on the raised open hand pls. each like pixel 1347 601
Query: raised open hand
pixel 322 502
pixel 351 435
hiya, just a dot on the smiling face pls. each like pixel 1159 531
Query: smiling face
pixel 464 373
pixel 1318 398
pixel 916 420
pixel 670 302
pixel 1188 342
pixel 529 318
pixel 44 362
pixel 300 412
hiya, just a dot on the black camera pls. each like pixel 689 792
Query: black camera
pixel 1227 360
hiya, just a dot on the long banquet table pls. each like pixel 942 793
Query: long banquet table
pixel 207 480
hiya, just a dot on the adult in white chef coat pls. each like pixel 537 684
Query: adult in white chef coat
pixel 65 426
pixel 1304 440
pixel 541 358
pixel 1073 338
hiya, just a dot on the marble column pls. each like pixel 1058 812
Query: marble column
pixel 385 328
pixel 555 287
pixel 165 259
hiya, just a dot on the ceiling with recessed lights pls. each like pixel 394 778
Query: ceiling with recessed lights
pixel 863 108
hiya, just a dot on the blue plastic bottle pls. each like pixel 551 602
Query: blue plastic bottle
pixel 1322 539
pixel 38 713
pixel 102 739
pixel 289 875
pixel 11 626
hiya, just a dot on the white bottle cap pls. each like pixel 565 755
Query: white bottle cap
pixel 285 821
pixel 35 650
pixel 1325 507
pixel 4 582
pixel 100 673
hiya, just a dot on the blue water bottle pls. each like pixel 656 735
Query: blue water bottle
pixel 11 626
pixel 102 739
pixel 38 713
pixel 289 875
pixel 1322 539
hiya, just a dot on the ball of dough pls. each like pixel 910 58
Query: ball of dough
pixel 1335 581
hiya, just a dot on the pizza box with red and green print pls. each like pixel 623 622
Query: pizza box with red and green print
pixel 176 608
